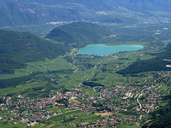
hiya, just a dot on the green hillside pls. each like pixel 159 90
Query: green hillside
pixel 78 34
pixel 158 63
pixel 17 48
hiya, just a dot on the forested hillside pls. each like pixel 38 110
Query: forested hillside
pixel 18 48
pixel 79 34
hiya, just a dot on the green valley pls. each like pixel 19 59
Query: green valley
pixel 45 82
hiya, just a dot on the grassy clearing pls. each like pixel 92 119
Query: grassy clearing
pixel 69 118
pixel 41 66
pixel 22 88
pixel 11 125
pixel 76 78
pixel 128 126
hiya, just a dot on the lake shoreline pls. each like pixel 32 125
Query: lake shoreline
pixel 105 50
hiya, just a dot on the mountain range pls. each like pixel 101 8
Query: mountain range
pixel 27 12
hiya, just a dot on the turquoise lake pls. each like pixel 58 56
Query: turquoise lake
pixel 105 50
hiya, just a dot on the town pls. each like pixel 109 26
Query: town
pixel 107 103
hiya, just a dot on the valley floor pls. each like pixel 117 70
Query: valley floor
pixel 79 91
pixel 57 96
